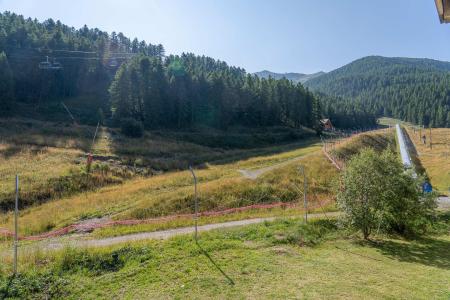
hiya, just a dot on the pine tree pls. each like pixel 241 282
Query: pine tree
pixel 6 85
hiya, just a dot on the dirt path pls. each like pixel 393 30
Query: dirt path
pixel 253 174
pixel 163 234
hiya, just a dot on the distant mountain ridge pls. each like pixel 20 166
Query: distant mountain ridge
pixel 295 77
pixel 411 89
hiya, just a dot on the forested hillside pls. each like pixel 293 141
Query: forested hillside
pixel 47 66
pixel 188 90
pixel 295 77
pixel 82 63
pixel 415 90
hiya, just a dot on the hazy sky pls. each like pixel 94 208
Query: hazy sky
pixel 278 35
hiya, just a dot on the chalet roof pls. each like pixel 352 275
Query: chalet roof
pixel 325 120
pixel 443 10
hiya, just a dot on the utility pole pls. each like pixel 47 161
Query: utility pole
pixel 196 202
pixel 16 212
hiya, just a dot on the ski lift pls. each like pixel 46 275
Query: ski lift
pixel 45 64
pixel 56 65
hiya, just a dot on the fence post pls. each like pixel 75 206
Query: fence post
pixel 305 199
pixel 196 202
pixel 431 142
pixel 16 212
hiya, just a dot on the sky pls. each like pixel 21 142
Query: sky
pixel 303 36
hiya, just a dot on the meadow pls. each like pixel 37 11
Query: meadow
pixel 282 259
pixel 140 184
pixel 221 186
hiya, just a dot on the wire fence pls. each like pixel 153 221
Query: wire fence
pixel 85 227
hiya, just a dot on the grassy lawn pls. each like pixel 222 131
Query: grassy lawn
pixel 280 259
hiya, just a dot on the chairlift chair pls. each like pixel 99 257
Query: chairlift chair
pixel 56 65
pixel 45 64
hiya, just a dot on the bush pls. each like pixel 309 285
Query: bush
pixel 132 128
pixel 376 193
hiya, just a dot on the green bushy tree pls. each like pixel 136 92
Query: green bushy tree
pixel 376 192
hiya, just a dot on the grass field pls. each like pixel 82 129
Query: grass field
pixel 221 186
pixel 435 160
pixel 378 140
pixel 281 259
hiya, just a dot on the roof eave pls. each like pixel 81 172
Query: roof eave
pixel 443 10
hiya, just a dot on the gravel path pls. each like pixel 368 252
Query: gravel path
pixel 163 234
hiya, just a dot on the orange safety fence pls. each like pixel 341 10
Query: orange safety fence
pixel 95 225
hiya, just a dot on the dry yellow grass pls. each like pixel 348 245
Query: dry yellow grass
pixel 163 192
pixel 221 186
pixel 435 160
pixel 33 164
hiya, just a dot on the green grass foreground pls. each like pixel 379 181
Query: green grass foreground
pixel 280 259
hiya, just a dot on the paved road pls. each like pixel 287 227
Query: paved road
pixel 163 234
pixel 444 202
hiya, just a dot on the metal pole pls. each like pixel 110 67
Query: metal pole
pixel 305 200
pixel 68 111
pixel 16 212
pixel 196 202
pixel 95 135
pixel 431 144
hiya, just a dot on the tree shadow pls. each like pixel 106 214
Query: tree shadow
pixel 230 280
pixel 10 151
pixel 425 251
pixel 39 134
pixel 13 150
pixel 166 151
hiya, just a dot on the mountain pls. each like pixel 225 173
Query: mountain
pixel 295 77
pixel 49 70
pixel 411 89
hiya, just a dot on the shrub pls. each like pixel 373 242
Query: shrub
pixel 377 193
pixel 132 128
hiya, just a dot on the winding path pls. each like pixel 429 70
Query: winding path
pixel 255 173
pixel 162 234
